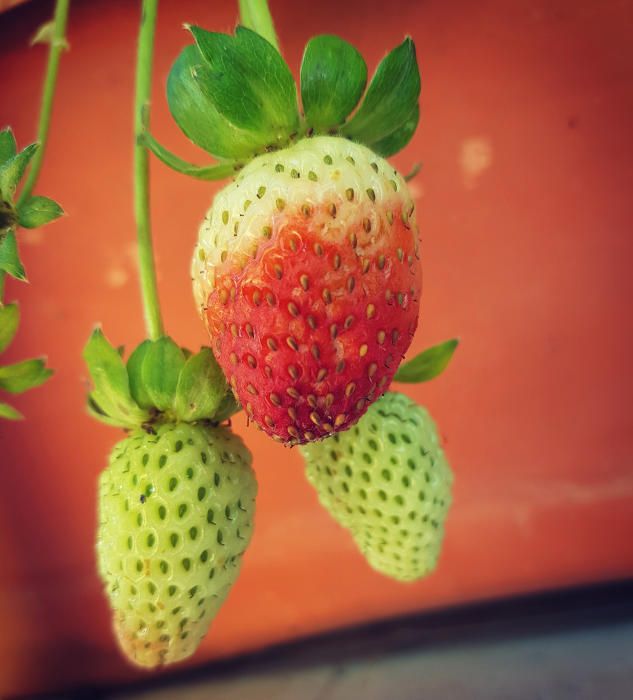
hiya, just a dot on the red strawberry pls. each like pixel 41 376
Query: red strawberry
pixel 307 274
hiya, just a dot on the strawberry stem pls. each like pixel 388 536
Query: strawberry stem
pixel 57 45
pixel 147 268
pixel 255 15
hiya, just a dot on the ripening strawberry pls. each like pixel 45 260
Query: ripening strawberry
pixel 175 516
pixel 387 481
pixel 307 274
pixel 307 270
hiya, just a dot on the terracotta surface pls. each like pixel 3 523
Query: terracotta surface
pixel 524 206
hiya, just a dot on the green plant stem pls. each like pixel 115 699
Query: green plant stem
pixel 147 269
pixel 255 15
pixel 57 45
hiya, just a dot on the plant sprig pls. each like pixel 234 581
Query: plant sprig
pixel 161 381
pixel 20 208
pixel 53 33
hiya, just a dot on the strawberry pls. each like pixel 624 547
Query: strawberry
pixel 387 481
pixel 175 516
pixel 177 500
pixel 307 274
pixel 306 271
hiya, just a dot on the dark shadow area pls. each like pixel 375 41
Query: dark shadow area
pixel 547 613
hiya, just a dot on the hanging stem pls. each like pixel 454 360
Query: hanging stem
pixel 255 15
pixel 57 45
pixel 147 269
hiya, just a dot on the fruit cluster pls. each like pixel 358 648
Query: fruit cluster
pixel 307 276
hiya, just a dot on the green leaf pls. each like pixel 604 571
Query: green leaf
pixel 8 147
pixel 399 138
pixel 37 211
pixel 390 98
pixel 24 375
pixel 193 110
pixel 135 374
pixel 428 364
pixel 9 257
pixel 9 412
pixel 111 385
pixel 201 387
pixel 219 171
pixel 249 83
pixel 333 77
pixel 160 369
pixel 12 170
pixel 9 321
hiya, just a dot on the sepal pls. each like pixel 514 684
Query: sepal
pixel 217 171
pixel 8 412
pixel 12 170
pixel 428 364
pixel 333 78
pixel 391 97
pixel 24 375
pixel 135 375
pixel 399 138
pixel 9 322
pixel 233 96
pixel 111 384
pixel 161 367
pixel 8 146
pixel 10 258
pixel 38 211
pixel 228 407
pixel 201 387
pixel 97 413
pixel 250 83
pixel 193 110
pixel 161 382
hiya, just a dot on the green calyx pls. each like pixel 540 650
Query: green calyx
pixel 235 97
pixel 33 212
pixel 159 383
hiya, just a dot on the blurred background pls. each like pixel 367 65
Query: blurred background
pixel 524 205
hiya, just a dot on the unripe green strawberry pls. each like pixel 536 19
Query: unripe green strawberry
pixel 175 516
pixel 308 277
pixel 388 482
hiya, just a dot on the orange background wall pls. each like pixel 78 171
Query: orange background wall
pixel 525 210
